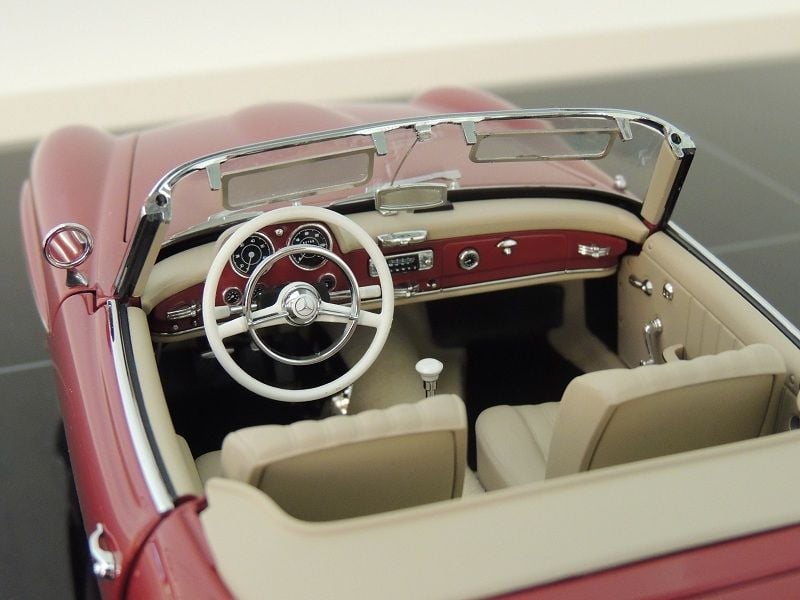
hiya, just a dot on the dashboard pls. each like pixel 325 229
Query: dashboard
pixel 421 266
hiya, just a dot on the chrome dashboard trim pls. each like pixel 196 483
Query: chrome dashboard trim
pixel 602 271
pixel 514 280
pixel 141 445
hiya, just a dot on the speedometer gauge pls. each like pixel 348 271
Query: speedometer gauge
pixel 310 235
pixel 250 253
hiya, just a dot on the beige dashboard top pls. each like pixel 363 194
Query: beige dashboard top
pixel 479 217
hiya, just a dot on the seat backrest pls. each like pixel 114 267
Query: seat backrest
pixel 622 415
pixel 348 466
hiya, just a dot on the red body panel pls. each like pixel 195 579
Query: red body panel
pixel 761 566
pixel 78 175
pixel 110 485
pixel 175 561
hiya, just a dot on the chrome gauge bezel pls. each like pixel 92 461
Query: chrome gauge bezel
pixel 324 231
pixel 270 245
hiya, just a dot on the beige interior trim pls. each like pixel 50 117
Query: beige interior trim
pixel 574 341
pixel 501 216
pixel 532 534
pixel 176 273
pixel 392 378
pixel 706 315
pixel 660 184
pixel 172 448
pixel 190 267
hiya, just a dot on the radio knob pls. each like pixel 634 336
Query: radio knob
pixel 468 259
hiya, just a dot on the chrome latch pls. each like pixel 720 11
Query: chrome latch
pixel 507 246
pixel 104 562
pixel 402 238
pixel 593 250
pixel 406 290
pixel 644 284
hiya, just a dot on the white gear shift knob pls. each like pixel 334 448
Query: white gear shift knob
pixel 429 370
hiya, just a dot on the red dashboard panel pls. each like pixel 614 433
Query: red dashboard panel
pixel 455 262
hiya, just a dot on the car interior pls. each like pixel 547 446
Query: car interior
pixel 439 364
pixel 546 365
pixel 548 372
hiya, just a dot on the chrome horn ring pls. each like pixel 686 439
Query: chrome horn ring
pixel 301 305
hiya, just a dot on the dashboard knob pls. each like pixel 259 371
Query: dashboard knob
pixel 468 259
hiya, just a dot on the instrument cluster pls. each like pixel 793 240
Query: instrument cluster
pixel 252 251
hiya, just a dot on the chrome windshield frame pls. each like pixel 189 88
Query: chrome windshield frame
pixel 156 213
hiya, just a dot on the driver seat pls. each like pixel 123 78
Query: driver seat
pixel 349 466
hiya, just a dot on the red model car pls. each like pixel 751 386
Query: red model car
pixel 249 317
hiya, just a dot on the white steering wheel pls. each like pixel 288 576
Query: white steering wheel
pixel 298 304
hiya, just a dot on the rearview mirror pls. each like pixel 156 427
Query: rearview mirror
pixel 415 196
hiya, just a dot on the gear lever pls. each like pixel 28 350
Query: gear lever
pixel 429 370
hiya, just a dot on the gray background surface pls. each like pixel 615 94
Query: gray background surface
pixel 742 200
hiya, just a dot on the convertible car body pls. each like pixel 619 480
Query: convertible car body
pixel 236 309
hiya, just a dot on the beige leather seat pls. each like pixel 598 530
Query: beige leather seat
pixel 342 467
pixel 622 415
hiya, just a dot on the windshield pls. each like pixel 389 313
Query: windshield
pixel 573 153
pixel 592 153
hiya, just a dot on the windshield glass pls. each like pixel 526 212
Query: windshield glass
pixel 589 152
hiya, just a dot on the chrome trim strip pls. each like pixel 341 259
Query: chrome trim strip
pixel 747 291
pixel 523 278
pixel 184 334
pixel 144 453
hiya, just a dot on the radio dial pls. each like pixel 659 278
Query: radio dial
pixel 422 260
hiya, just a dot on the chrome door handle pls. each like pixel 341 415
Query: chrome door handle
pixel 644 284
pixel 104 562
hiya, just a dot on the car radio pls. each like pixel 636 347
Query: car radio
pixel 422 260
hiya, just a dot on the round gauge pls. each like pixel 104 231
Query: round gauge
pixel 310 235
pixel 232 296
pixel 250 253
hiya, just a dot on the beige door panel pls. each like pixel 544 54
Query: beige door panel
pixel 705 315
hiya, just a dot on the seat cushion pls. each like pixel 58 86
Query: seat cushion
pixel 472 487
pixel 619 416
pixel 349 466
pixel 209 465
pixel 513 443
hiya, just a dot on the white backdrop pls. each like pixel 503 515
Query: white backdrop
pixel 120 64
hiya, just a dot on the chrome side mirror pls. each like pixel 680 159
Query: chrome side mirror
pixel 67 246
